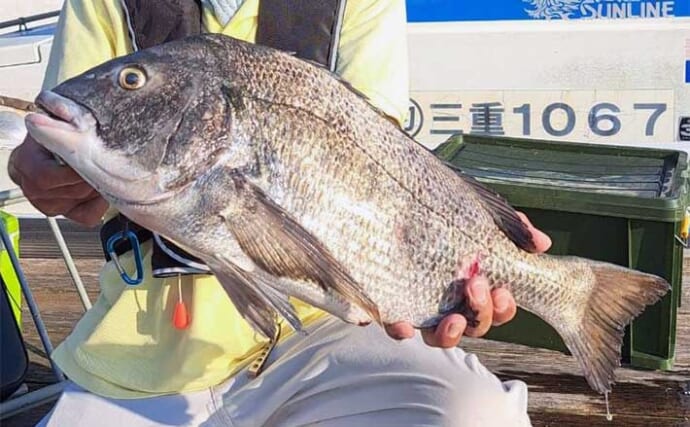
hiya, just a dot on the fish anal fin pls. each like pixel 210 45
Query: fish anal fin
pixel 282 247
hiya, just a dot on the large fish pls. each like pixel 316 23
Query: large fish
pixel 286 182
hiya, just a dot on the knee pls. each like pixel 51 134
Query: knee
pixel 477 397
pixel 465 393
pixel 478 403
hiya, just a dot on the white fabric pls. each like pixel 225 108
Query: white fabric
pixel 338 375
pixel 224 9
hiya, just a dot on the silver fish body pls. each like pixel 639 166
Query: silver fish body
pixel 286 182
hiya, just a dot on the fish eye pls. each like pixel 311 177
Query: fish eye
pixel 132 78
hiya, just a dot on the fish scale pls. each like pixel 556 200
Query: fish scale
pixel 441 263
pixel 286 182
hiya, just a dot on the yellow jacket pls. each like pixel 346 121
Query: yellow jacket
pixel 126 345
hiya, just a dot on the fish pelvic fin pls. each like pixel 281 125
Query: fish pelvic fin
pixel 618 295
pixel 254 298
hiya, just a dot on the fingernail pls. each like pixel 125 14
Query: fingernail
pixel 501 304
pixel 455 329
pixel 479 292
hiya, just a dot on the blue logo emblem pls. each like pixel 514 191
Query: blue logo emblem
pixel 597 9
pixel 554 9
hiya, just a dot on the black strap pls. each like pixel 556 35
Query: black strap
pixel 152 22
pixel 166 259
pixel 309 28
pixel 117 224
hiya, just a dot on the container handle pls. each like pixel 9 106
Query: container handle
pixel 682 237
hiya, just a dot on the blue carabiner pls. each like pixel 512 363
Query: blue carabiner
pixel 134 243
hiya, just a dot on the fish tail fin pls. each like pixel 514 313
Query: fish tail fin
pixel 617 296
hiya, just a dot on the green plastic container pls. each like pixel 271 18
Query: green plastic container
pixel 616 204
pixel 12 286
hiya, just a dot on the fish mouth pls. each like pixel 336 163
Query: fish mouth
pixel 56 111
pixel 59 115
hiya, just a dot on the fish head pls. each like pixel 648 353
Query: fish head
pixel 138 128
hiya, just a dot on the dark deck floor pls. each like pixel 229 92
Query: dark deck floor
pixel 559 396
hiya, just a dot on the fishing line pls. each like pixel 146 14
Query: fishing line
pixel 609 416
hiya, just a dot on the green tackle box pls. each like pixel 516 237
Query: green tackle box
pixel 610 203
pixel 12 286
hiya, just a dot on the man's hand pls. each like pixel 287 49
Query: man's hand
pixel 493 307
pixel 54 189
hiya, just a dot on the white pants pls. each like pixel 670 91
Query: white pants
pixel 338 375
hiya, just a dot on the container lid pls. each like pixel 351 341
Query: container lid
pixel 631 182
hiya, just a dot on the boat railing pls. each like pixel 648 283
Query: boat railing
pixel 22 22
pixel 46 394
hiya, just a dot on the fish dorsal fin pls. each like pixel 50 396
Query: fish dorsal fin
pixel 354 90
pixel 283 248
pixel 504 215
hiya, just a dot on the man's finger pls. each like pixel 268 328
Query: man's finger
pixel 89 213
pixel 54 175
pixel 504 306
pixel 542 242
pixel 479 295
pixel 400 330
pixel 31 163
pixel 75 192
pixel 54 207
pixel 447 333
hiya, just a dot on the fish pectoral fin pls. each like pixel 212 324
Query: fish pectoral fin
pixel 256 301
pixel 282 247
